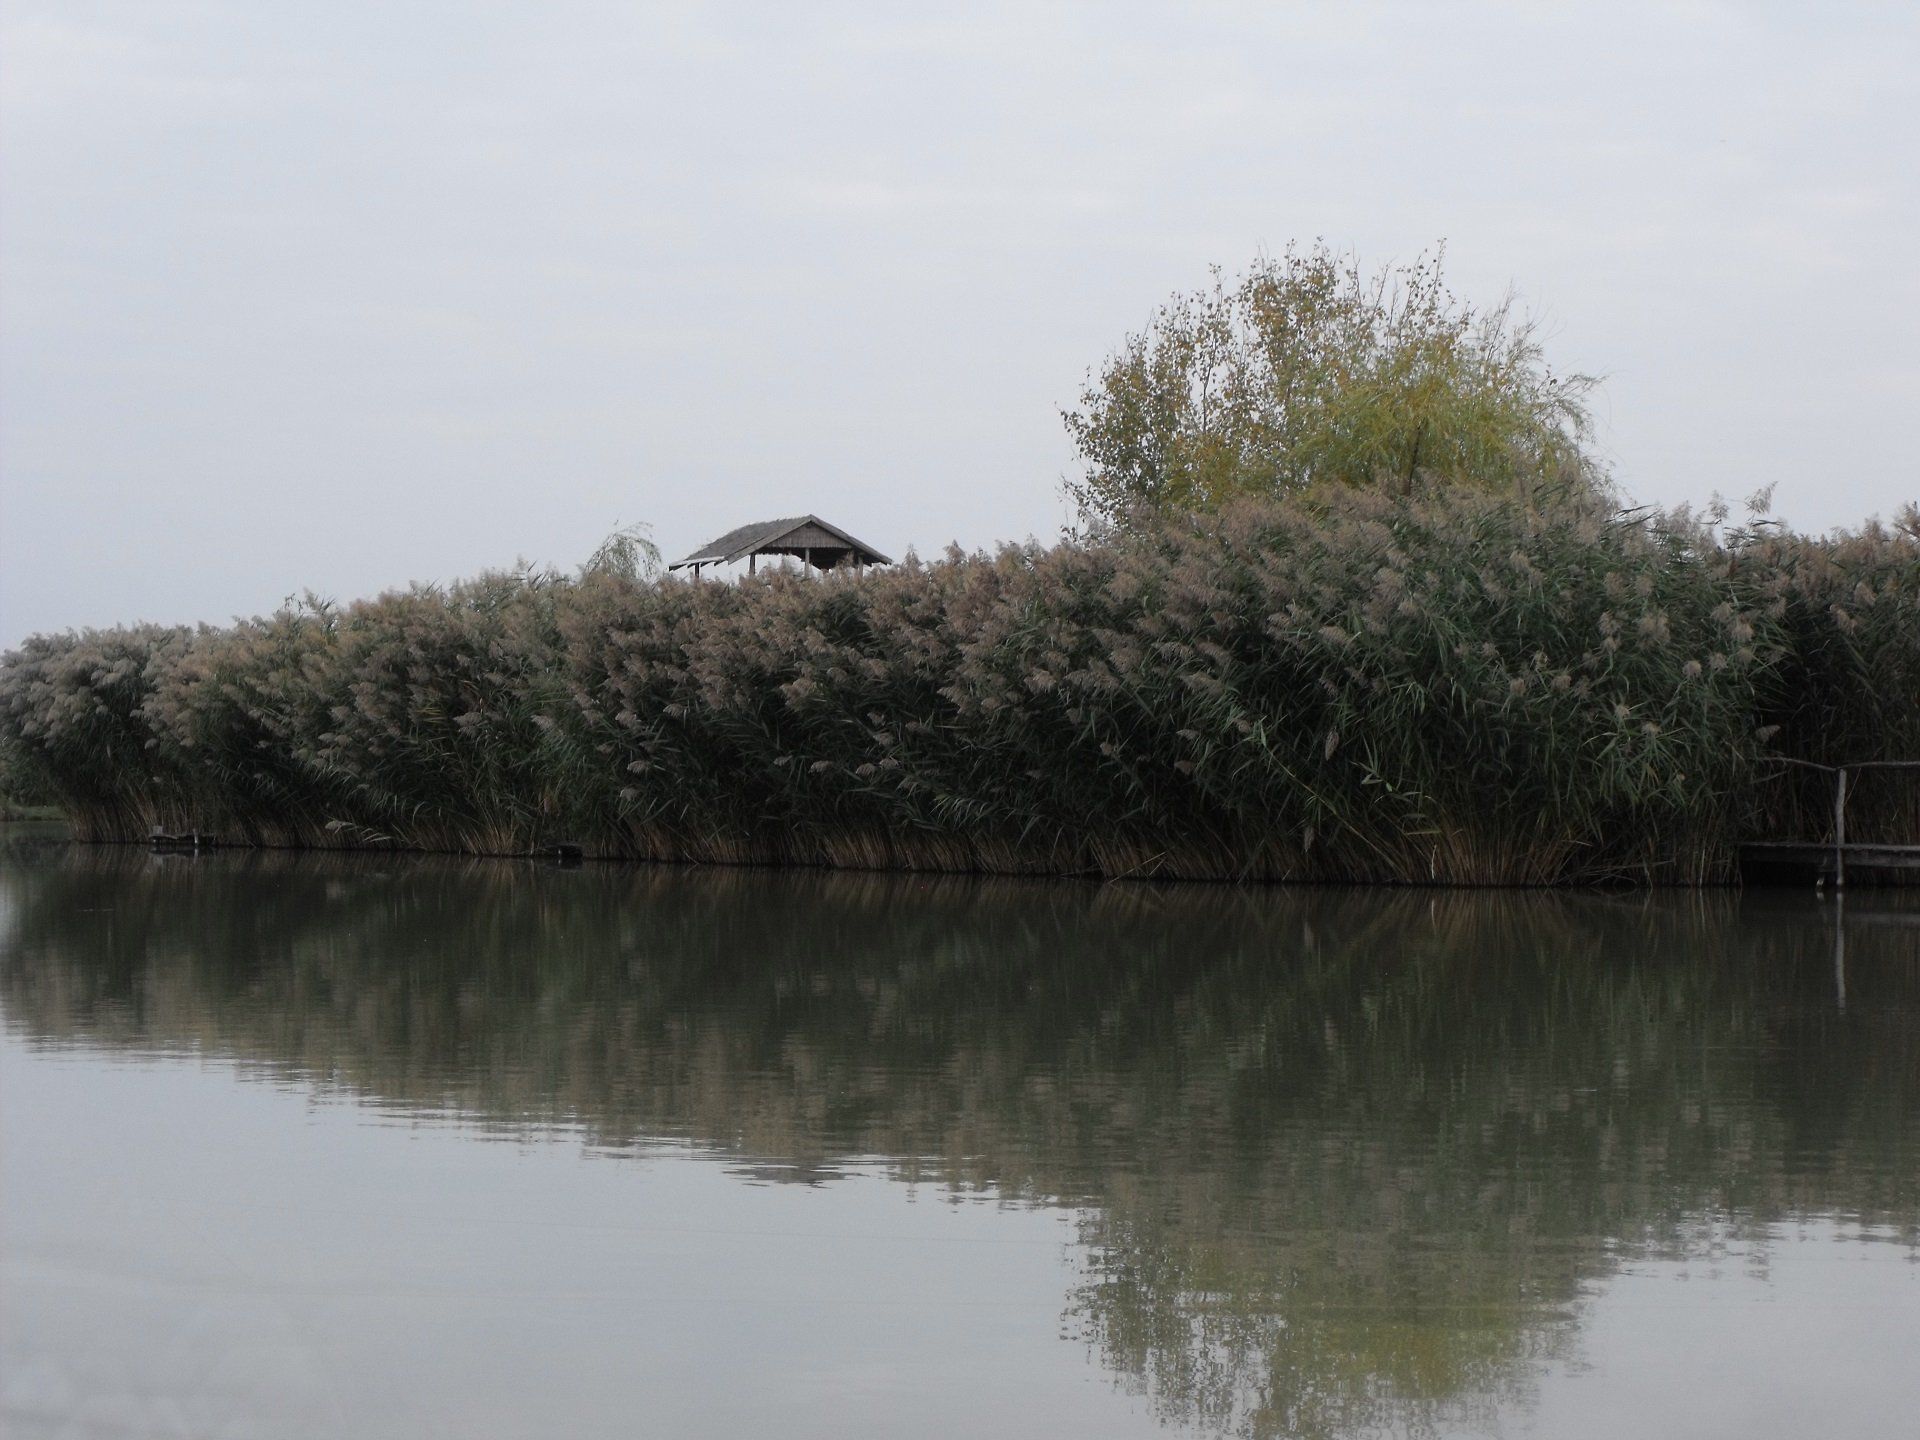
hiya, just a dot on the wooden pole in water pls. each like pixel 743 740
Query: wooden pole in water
pixel 1840 830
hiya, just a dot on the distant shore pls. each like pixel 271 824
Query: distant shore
pixel 1458 688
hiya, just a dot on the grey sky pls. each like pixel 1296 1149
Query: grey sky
pixel 338 295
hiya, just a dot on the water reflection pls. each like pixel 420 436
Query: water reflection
pixel 1343 1161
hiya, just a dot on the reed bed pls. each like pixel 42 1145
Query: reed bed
pixel 1451 688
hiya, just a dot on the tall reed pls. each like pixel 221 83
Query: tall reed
pixel 1456 687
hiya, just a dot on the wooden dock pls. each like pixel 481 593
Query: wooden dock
pixel 1824 859
pixel 1831 860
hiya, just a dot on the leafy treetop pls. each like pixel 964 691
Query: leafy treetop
pixel 1306 373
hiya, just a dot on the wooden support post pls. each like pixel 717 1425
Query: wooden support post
pixel 750 563
pixel 1840 829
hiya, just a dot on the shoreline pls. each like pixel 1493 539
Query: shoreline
pixel 1735 882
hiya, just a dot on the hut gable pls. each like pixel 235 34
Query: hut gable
pixel 810 533
pixel 809 537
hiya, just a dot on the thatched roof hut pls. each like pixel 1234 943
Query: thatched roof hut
pixel 812 539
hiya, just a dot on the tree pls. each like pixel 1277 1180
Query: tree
pixel 628 552
pixel 1304 372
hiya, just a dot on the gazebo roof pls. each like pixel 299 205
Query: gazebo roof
pixel 796 535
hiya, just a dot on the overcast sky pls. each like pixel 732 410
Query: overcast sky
pixel 342 294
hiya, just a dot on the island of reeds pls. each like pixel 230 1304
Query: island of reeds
pixel 1350 603
pixel 1458 687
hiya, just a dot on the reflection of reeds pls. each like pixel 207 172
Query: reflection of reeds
pixel 1458 688
pixel 1349 1153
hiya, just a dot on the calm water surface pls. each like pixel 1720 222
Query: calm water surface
pixel 308 1146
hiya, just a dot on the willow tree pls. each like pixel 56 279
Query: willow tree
pixel 1307 372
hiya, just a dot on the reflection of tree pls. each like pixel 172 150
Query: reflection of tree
pixel 1343 1161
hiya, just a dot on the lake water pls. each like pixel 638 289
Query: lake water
pixel 321 1146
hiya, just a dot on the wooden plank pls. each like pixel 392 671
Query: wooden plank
pixel 1827 857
